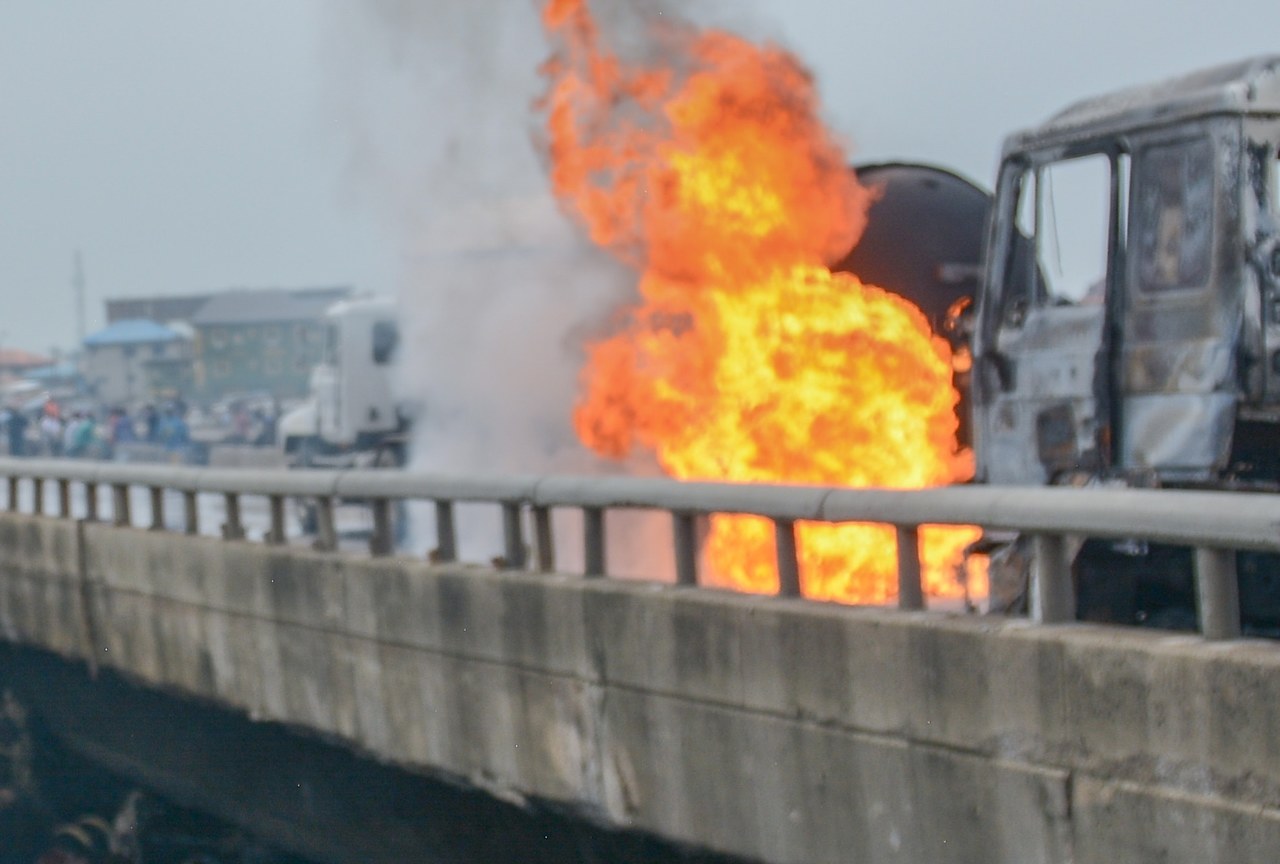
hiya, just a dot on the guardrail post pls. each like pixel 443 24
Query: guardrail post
pixel 784 532
pixel 544 539
pixel 1218 593
pixel 38 494
pixel 326 531
pixel 446 534
pixel 513 535
pixel 381 541
pixel 13 494
pixel 233 528
pixel 120 515
pixel 276 535
pixel 1053 596
pixel 91 501
pixel 685 533
pixel 157 508
pixel 593 542
pixel 910 590
pixel 191 508
pixel 64 498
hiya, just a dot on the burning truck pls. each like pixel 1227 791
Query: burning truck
pixel 1128 321
pixel 1111 315
pixel 1126 328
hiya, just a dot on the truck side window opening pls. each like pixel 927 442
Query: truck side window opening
pixel 385 339
pixel 1073 229
pixel 1173 214
pixel 1020 271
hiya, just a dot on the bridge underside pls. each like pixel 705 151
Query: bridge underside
pixel 313 798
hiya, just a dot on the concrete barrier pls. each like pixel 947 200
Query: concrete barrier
pixel 777 730
pixel 245 456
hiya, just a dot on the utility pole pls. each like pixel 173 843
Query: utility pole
pixel 77 286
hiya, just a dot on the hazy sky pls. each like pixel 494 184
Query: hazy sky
pixel 193 146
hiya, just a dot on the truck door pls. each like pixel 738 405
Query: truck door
pixel 1043 389
pixel 1192 347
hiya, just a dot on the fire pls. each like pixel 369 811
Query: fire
pixel 745 358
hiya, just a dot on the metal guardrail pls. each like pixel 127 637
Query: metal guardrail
pixel 1216 524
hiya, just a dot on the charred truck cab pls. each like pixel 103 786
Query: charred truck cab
pixel 1128 323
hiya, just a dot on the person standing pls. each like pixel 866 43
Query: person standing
pixel 51 432
pixel 16 428
pixel 151 421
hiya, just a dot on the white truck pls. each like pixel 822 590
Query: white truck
pixel 351 417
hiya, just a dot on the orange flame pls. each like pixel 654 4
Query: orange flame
pixel 746 359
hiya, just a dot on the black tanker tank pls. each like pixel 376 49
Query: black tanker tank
pixel 924 241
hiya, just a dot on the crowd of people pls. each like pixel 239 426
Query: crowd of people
pixel 87 434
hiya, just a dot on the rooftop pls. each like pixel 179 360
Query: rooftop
pixel 250 306
pixel 135 331
pixel 17 358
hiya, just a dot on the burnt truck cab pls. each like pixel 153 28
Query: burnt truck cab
pixel 1128 323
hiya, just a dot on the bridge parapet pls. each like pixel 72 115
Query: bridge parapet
pixel 1216 524
pixel 778 729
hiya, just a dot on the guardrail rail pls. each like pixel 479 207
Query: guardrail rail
pixel 1215 524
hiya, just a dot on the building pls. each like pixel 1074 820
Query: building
pixel 184 307
pixel 260 340
pixel 16 363
pixel 117 360
pixel 163 308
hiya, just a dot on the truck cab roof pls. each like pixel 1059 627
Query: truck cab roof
pixel 1245 87
pixel 368 305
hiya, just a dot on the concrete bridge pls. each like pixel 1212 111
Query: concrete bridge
pixel 773 729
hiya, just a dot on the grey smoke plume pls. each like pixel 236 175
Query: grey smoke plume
pixel 498 292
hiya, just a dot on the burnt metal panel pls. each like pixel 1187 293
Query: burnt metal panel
pixel 1190 366
pixel 1182 435
pixel 1056 437
pixel 1042 421
pixel 1260 225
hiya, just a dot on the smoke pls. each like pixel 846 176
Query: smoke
pixel 498 293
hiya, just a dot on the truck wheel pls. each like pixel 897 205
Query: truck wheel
pixel 1259 575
